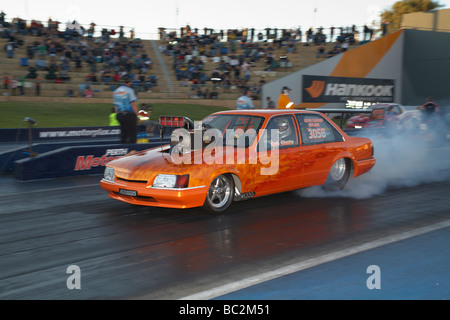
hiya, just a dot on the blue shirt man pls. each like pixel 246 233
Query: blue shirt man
pixel 124 100
pixel 245 102
pixel 124 96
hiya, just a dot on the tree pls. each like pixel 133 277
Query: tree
pixel 394 16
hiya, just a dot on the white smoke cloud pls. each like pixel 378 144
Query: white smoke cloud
pixel 402 160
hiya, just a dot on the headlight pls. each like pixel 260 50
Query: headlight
pixel 109 174
pixel 171 181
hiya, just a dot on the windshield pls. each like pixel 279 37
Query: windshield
pixel 235 129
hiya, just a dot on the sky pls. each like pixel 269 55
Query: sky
pixel 146 16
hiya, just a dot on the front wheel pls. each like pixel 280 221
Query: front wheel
pixel 220 194
pixel 338 175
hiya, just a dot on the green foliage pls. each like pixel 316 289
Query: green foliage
pixel 54 114
pixel 394 15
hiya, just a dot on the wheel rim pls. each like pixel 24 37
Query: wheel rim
pixel 219 192
pixel 338 169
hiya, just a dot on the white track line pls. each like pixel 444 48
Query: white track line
pixel 266 276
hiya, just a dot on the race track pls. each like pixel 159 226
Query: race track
pixel 131 252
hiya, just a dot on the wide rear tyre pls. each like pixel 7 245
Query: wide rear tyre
pixel 220 194
pixel 338 175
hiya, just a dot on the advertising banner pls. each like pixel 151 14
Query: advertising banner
pixel 326 89
pixel 74 161
pixel 59 134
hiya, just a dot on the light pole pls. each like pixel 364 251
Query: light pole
pixel 314 15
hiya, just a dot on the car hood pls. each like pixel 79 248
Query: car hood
pixel 145 165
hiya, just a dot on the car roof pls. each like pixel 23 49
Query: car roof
pixel 264 112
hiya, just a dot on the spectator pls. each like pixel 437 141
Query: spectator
pixel 245 101
pixel 148 84
pixel 30 52
pixel 116 77
pixel 21 85
pixel 9 49
pixel 207 94
pixel 106 75
pixel 344 46
pixel 14 84
pixel 42 50
pixel 81 89
pixel 321 51
pixel 214 94
pixel 88 93
pixel 6 81
pixel 32 73
pixel 136 85
pixel 37 85
pixel 260 36
pixel 41 64
pixel 366 32
pixel 256 90
pixel 270 104
pixel 2 17
pixel 65 64
pixel 63 76
pixel 309 36
pixel 91 30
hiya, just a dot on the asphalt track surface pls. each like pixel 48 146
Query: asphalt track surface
pixel 295 245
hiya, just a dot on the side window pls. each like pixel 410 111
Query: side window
pixel 280 133
pixel 315 129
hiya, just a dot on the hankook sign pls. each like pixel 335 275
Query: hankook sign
pixel 341 89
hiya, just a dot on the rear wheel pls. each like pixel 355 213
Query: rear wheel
pixel 338 175
pixel 220 194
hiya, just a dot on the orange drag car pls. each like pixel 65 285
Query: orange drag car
pixel 237 155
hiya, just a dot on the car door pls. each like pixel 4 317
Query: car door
pixel 281 145
pixel 318 147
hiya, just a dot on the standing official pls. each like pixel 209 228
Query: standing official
pixel 125 104
pixel 284 102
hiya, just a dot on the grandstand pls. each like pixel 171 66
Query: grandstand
pixel 288 56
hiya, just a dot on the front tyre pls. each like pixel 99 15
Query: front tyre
pixel 220 194
pixel 338 175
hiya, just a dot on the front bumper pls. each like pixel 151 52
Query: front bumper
pixel 157 197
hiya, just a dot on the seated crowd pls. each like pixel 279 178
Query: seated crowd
pixel 234 58
pixel 59 53
pixel 232 61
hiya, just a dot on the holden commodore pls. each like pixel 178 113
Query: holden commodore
pixel 237 155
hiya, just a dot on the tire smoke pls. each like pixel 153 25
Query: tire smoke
pixel 404 159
